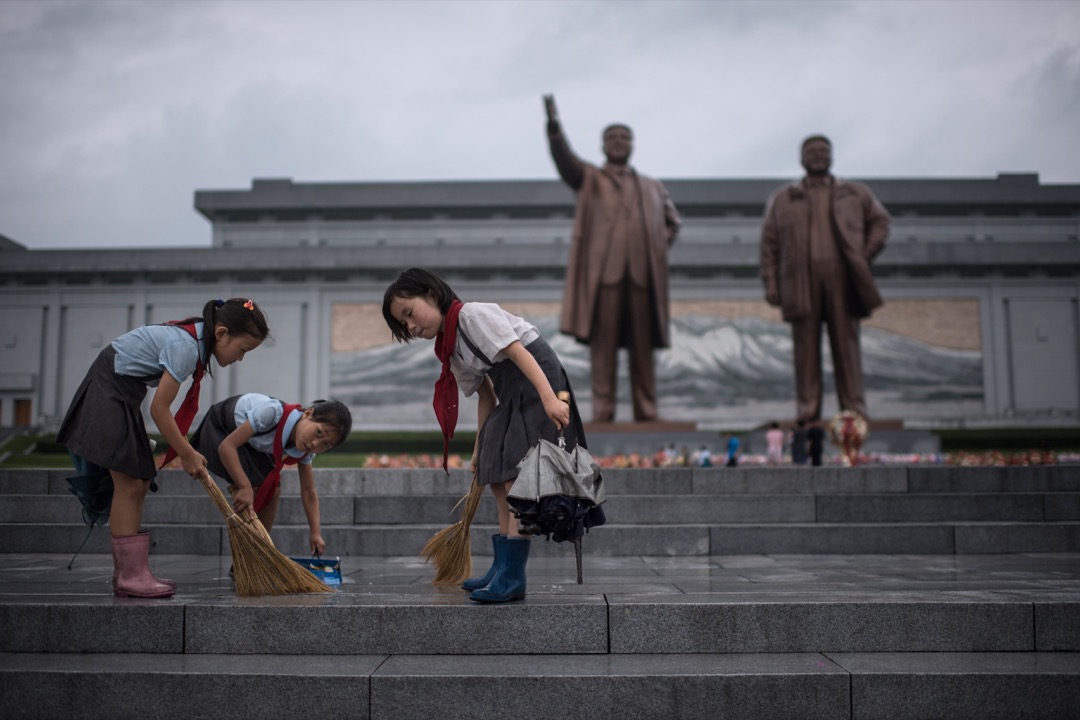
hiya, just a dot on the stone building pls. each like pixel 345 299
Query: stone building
pixel 981 279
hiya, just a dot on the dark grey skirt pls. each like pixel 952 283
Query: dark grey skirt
pixel 519 421
pixel 104 423
pixel 219 423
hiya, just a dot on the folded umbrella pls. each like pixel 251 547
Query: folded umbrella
pixel 95 491
pixel 558 493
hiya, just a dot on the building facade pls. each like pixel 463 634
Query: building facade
pixel 981 279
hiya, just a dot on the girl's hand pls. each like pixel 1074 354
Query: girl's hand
pixel 558 411
pixel 318 545
pixel 475 462
pixel 194 464
pixel 243 501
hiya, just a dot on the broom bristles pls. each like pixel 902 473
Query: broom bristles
pixel 449 549
pixel 258 567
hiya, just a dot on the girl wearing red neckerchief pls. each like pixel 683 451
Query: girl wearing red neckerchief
pixel 248 439
pixel 104 430
pixel 515 375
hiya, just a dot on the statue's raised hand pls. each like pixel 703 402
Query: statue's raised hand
pixel 552 111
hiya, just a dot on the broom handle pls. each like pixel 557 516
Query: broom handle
pixel 226 508
pixel 215 494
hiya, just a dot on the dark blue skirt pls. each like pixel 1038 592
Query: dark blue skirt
pixel 104 423
pixel 519 420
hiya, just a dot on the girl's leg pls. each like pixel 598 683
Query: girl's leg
pixel 130 547
pixel 506 520
pixel 125 516
pixel 508 581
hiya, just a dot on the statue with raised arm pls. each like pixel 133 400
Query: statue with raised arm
pixel 616 291
pixel 819 238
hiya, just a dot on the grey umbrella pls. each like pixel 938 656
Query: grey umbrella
pixel 558 493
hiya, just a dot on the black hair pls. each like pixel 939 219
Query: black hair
pixel 614 126
pixel 411 283
pixel 812 138
pixel 335 414
pixel 240 316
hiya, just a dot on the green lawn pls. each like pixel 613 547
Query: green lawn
pixel 42 451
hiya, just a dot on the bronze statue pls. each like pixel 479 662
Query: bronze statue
pixel 819 238
pixel 616 291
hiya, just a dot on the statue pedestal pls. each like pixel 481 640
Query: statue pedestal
pixel 653 426
pixel 648 438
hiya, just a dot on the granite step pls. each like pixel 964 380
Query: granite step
pixel 640 481
pixel 935 510
pixel 757 686
pixel 756 636
pixel 611 540
pixel 628 509
pixel 582 620
pixel 614 539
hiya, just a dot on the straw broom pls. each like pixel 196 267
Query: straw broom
pixel 449 550
pixel 259 568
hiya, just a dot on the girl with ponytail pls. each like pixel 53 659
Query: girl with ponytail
pixel 104 430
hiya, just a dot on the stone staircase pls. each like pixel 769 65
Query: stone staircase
pixel 874 592
pixel 657 512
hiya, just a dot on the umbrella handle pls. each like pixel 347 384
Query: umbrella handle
pixel 563 395
pixel 577 555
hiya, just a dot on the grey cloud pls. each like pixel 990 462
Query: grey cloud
pixel 115 113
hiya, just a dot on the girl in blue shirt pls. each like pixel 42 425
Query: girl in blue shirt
pixel 248 439
pixel 104 429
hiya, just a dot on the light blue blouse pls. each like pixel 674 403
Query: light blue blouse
pixel 264 413
pixel 151 349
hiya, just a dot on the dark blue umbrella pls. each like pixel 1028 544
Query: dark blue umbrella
pixel 95 493
pixel 94 488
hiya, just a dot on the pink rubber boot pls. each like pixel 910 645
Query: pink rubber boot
pixel 163 581
pixel 131 558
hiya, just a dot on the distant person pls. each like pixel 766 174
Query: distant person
pixel 704 457
pixel 816 436
pixel 733 449
pixel 774 440
pixel 684 456
pixel 616 289
pixel 798 443
pixel 818 240
pixel 105 433
pixel 248 439
pixel 695 458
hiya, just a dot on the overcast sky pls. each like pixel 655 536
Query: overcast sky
pixel 112 114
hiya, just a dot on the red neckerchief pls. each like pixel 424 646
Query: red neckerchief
pixel 446 388
pixel 281 459
pixel 190 406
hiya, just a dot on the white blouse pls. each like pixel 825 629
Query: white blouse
pixel 491 329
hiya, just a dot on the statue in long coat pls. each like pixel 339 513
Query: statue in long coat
pixel 818 240
pixel 616 289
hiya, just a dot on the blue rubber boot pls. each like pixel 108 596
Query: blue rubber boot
pixel 479 582
pixel 509 581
